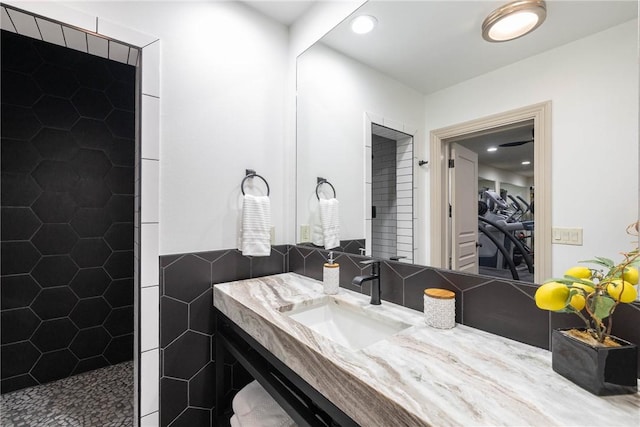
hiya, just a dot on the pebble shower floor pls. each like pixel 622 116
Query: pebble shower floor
pixel 99 398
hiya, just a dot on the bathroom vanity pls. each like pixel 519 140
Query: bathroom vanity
pixel 382 366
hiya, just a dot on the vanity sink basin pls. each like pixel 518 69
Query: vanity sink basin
pixel 349 325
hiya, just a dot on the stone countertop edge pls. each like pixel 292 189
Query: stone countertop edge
pixel 420 376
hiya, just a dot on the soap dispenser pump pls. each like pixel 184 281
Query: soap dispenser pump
pixel 331 276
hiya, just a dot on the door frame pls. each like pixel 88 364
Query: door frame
pixel 439 182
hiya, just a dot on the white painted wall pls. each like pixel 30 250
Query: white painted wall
pixel 223 74
pixel 593 86
pixel 334 93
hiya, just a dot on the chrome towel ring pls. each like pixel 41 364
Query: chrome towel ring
pixel 324 181
pixel 250 173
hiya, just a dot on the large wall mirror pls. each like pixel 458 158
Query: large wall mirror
pixel 425 70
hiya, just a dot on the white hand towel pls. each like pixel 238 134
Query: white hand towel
pixel 255 235
pixel 254 407
pixel 317 235
pixel 234 421
pixel 329 216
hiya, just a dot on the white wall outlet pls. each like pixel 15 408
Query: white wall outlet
pixel 273 235
pixel 305 233
pixel 567 236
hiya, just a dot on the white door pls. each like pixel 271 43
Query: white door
pixel 464 209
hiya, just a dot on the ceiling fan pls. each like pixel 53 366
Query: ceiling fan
pixel 517 143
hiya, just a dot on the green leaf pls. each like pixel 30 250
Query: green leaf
pixel 573 280
pixel 605 262
pixel 602 306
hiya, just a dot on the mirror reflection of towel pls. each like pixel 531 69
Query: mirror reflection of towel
pixel 330 220
pixel 255 234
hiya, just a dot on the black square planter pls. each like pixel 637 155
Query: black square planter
pixel 602 371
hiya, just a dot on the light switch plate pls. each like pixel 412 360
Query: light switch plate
pixel 305 234
pixel 567 236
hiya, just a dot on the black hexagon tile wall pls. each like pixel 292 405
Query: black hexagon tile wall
pixel 67 212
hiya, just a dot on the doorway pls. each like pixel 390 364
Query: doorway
pixel 502 191
pixel 390 216
pixel 441 229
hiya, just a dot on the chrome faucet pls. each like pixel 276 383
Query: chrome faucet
pixel 374 277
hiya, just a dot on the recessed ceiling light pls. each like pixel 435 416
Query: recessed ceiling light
pixel 514 20
pixel 526 162
pixel 492 149
pixel 363 24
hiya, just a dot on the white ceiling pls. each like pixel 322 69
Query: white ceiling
pixel 431 45
pixel 284 12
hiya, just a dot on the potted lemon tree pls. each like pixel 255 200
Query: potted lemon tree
pixel 590 356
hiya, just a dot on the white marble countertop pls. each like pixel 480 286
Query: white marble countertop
pixel 421 375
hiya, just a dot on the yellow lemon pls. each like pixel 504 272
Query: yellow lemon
pixel 578 271
pixel 624 291
pixel 577 302
pixel 552 296
pixel 630 275
pixel 587 289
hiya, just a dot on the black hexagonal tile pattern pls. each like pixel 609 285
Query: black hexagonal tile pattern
pixel 120 180
pixel 120 236
pixel 55 176
pixel 119 93
pixel 56 270
pixel 90 252
pixel 54 334
pixel 92 282
pixel 120 293
pixel 54 366
pixel 91 133
pixel 56 80
pixel 18 358
pixel 91 163
pixel 18 156
pixel 122 123
pixel 91 222
pixel 54 303
pixel 18 189
pixel 184 357
pixel 90 312
pixel 120 264
pixel 55 144
pixel 56 112
pixel 18 89
pixel 54 239
pixel 91 193
pixel 18 257
pixel 19 122
pixel 119 349
pixel 52 207
pixel 17 325
pixel 89 342
pixel 18 223
pixel 91 103
pixel 120 321
pixel 187 278
pixel 65 118
pixel 17 291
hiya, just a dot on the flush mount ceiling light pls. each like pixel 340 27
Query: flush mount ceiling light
pixel 526 162
pixel 492 149
pixel 363 24
pixel 514 20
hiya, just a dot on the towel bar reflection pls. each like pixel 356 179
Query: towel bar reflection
pixel 324 181
pixel 250 173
